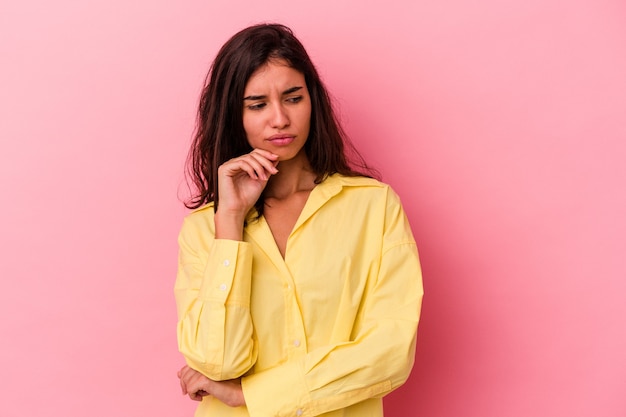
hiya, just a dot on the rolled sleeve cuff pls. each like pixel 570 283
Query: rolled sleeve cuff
pixel 279 391
pixel 227 276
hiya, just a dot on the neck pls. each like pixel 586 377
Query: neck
pixel 295 175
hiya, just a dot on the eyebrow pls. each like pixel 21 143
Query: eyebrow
pixel 288 91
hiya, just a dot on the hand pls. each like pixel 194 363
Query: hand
pixel 241 180
pixel 197 386
pixel 193 383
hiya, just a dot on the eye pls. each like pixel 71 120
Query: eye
pixel 256 106
pixel 295 99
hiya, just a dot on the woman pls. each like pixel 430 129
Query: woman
pixel 299 286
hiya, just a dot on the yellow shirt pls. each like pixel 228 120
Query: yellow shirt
pixel 329 329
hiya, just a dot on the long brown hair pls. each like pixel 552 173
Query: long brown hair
pixel 220 135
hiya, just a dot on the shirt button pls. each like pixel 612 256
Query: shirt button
pixel 226 262
pixel 223 287
pixel 296 343
pixel 299 412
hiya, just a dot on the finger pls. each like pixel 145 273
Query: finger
pixel 269 165
pixel 197 396
pixel 197 386
pixel 266 154
pixel 179 374
pixel 185 376
pixel 183 386
pixel 236 166
pixel 255 162
pixel 271 157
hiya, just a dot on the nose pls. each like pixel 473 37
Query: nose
pixel 279 118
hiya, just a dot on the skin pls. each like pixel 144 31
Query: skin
pixel 276 119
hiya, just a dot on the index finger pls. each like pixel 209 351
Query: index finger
pixel 267 154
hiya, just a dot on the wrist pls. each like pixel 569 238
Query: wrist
pixel 229 224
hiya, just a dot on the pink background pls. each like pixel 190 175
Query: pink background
pixel 500 123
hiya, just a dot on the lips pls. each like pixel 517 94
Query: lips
pixel 281 139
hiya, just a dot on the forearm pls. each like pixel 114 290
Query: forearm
pixel 376 359
pixel 335 377
pixel 213 298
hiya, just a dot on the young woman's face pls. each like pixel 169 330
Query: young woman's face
pixel 277 110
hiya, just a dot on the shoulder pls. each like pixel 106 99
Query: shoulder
pixel 199 223
pixel 354 182
pixel 364 186
pixel 373 203
pixel 200 214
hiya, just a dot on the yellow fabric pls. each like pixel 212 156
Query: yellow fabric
pixel 328 330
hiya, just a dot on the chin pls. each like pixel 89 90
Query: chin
pixel 284 155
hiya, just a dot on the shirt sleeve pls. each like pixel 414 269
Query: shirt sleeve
pixel 215 332
pixel 377 360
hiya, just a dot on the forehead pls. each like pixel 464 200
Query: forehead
pixel 274 74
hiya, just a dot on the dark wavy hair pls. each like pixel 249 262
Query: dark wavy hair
pixel 220 135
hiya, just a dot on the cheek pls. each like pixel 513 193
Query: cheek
pixel 304 115
pixel 249 126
